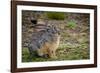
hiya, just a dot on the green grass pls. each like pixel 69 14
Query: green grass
pixel 71 24
pixel 64 52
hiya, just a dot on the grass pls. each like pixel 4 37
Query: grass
pixel 64 52
pixel 71 24
pixel 74 42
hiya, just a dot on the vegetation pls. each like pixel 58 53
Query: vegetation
pixel 55 15
pixel 64 52
pixel 74 42
pixel 71 24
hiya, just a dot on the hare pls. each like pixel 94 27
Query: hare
pixel 45 42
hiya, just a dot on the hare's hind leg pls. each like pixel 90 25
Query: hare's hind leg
pixel 33 54
pixel 43 52
pixel 30 54
pixel 40 52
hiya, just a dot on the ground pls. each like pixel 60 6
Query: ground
pixel 74 42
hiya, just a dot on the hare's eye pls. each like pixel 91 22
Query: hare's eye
pixel 47 29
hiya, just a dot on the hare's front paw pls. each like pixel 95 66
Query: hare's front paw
pixel 54 57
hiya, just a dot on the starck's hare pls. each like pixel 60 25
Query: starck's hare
pixel 45 42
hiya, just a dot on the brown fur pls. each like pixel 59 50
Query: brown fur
pixel 50 48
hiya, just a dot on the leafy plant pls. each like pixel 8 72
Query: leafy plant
pixel 55 15
pixel 71 24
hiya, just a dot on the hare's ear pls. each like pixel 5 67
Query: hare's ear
pixel 49 25
pixel 54 27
